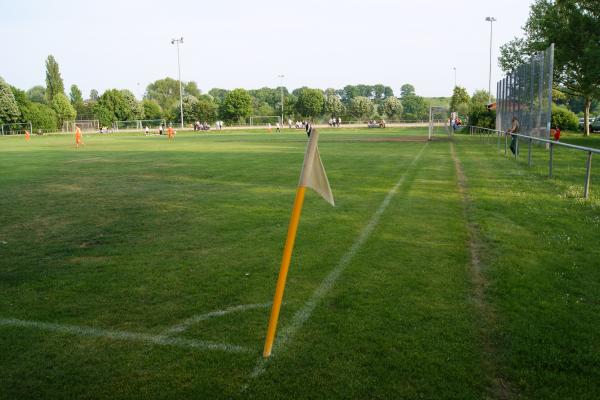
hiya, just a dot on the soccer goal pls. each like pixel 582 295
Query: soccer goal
pixel 17 128
pixel 265 119
pixel 439 122
pixel 138 124
pixel 86 125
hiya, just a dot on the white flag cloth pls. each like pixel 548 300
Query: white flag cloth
pixel 313 174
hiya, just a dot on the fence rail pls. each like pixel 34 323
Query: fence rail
pixel 486 134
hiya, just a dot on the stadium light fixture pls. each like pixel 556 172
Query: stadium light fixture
pixel 179 41
pixel 491 20
pixel 454 68
pixel 281 77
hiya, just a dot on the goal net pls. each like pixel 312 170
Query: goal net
pixel 86 125
pixel 17 128
pixel 258 120
pixel 138 124
pixel 439 122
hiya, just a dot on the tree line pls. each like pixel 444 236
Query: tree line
pixel 48 107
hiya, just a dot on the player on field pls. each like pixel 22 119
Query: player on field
pixel 78 140
pixel 170 132
pixel 27 135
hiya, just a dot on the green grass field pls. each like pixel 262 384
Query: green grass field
pixel 138 268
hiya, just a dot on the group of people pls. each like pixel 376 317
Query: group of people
pixel 376 124
pixel 335 122
pixel 204 126
pixel 455 122
pixel 514 130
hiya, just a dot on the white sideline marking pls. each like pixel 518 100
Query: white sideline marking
pixel 287 332
pixel 203 317
pixel 123 335
pixel 83 159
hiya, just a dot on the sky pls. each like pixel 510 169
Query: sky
pixel 126 44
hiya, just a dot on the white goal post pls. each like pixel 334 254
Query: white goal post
pixel 139 124
pixel 265 119
pixel 86 125
pixel 439 121
pixel 16 128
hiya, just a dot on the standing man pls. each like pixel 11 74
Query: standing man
pixel 170 132
pixel 27 135
pixel 78 140
pixel 514 129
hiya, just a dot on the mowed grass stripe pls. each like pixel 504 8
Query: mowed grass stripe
pixel 287 332
pixel 541 258
pixel 401 321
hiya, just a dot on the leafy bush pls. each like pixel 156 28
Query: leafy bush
pixel 481 116
pixel 564 118
pixel 42 117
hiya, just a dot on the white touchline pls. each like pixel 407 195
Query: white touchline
pixel 198 318
pixel 287 332
pixel 124 335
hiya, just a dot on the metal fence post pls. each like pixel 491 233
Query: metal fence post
pixel 550 163
pixel 529 154
pixel 498 134
pixel 586 188
pixel 516 147
pixel 505 144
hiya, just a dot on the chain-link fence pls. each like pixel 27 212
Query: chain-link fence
pixel 526 93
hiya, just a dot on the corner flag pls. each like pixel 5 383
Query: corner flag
pixel 312 176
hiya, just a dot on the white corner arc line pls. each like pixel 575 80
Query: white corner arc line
pixel 124 335
pixel 203 317
pixel 303 314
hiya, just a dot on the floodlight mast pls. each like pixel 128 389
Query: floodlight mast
pixel 178 41
pixel 281 77
pixel 491 20
pixel 454 68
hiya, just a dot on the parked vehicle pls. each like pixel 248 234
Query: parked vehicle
pixel 595 126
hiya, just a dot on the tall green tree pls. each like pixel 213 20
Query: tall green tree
pixel 63 108
pixel 415 107
pixel 151 109
pixel 205 109
pixel 392 108
pixel 9 110
pixel 459 96
pixel 573 26
pixel 75 96
pixel 361 107
pixel 310 102
pixel 94 95
pixel 218 94
pixel 112 107
pixel 166 92
pixel 333 105
pixel 37 94
pixel 407 90
pixel 236 106
pixel 54 82
pixel 480 97
pixel 134 107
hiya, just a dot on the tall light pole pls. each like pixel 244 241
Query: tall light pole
pixel 491 20
pixel 454 68
pixel 178 41
pixel 281 77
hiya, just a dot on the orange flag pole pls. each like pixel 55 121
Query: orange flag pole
pixel 312 176
pixel 283 270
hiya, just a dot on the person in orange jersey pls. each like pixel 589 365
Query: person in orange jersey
pixel 27 135
pixel 171 132
pixel 78 140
